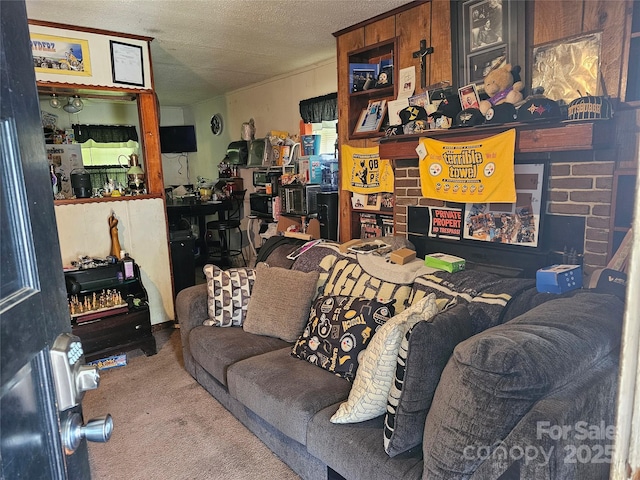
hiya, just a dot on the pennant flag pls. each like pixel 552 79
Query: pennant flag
pixel 480 171
pixel 364 171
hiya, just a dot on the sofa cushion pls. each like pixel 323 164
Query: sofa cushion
pixel 217 348
pixel 280 301
pixel 423 354
pixel 368 396
pixel 228 294
pixel 510 367
pixel 355 450
pixel 339 328
pixel 285 391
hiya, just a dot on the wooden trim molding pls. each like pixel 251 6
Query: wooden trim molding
pixel 530 138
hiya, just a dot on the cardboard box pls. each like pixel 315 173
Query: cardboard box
pixel 402 256
pixel 442 261
pixel 559 278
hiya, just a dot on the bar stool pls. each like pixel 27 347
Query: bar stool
pixel 225 229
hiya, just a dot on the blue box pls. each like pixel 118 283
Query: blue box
pixel 559 278
pixel 323 170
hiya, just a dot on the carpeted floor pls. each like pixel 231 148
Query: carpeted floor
pixel 167 427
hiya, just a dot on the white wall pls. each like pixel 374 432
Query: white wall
pixel 83 229
pixel 273 104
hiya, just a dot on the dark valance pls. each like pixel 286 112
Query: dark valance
pixel 105 133
pixel 318 109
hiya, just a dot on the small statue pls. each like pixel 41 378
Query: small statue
pixel 115 241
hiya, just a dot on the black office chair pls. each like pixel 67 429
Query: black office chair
pixel 220 248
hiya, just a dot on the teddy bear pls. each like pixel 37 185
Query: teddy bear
pixel 502 85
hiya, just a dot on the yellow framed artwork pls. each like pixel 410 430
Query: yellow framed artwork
pixel 66 56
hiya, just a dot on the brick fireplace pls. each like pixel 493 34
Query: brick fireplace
pixel 579 187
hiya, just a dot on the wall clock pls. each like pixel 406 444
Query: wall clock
pixel 216 124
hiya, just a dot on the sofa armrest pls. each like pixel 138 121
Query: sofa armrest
pixel 191 307
pixel 568 434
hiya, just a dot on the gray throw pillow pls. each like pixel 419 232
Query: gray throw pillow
pixel 495 377
pixel 280 302
pixel 423 354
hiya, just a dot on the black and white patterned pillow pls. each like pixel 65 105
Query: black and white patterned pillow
pixel 339 329
pixel 228 292
pixel 423 354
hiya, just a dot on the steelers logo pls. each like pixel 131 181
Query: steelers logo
pixel 489 169
pixel 490 113
pixel 435 169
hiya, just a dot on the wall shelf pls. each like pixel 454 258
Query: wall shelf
pixel 530 138
pixel 358 101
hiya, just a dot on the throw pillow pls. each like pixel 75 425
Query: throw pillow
pixel 279 302
pixel 228 294
pixel 339 328
pixel 423 354
pixel 348 278
pixel 368 396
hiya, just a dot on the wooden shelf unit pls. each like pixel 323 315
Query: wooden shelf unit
pixel 358 101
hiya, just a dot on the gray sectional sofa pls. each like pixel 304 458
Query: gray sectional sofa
pixel 504 382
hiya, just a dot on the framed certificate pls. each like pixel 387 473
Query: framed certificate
pixel 126 64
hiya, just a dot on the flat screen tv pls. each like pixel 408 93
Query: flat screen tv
pixel 178 139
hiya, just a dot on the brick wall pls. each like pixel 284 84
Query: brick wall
pixel 582 188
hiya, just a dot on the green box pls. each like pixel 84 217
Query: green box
pixel 443 261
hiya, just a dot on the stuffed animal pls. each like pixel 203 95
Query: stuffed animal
pixel 502 85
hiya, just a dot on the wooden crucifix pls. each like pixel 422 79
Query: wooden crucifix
pixel 423 52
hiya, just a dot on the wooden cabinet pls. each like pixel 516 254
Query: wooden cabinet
pixel 110 326
pixel 398 32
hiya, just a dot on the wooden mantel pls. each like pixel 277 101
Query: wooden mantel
pixel 530 138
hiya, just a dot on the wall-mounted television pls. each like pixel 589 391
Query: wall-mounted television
pixel 178 139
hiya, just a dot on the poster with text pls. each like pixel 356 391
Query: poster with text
pixel 463 172
pixel 445 222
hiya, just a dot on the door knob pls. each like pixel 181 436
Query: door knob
pixel 96 430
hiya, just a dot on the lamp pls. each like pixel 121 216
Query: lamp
pixel 55 101
pixel 74 105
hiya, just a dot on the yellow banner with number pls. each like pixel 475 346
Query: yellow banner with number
pixel 480 171
pixel 364 172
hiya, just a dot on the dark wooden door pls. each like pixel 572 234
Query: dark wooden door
pixel 33 309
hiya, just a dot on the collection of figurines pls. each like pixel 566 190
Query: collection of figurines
pixel 98 301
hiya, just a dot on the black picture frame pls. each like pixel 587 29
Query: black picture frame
pixel 492 34
pixel 127 65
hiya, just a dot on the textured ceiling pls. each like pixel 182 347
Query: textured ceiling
pixel 202 49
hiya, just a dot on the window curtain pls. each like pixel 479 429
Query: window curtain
pixel 319 109
pixel 105 133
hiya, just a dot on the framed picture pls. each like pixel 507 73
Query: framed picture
pixel 67 56
pixel 126 63
pixel 371 117
pixel 510 223
pixel 568 67
pixel 362 76
pixel 387 201
pixel 492 34
pixel 469 96
pixel 480 64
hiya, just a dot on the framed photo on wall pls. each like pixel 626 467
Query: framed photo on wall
pixel 126 63
pixel 60 55
pixel 492 34
pixel 516 223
